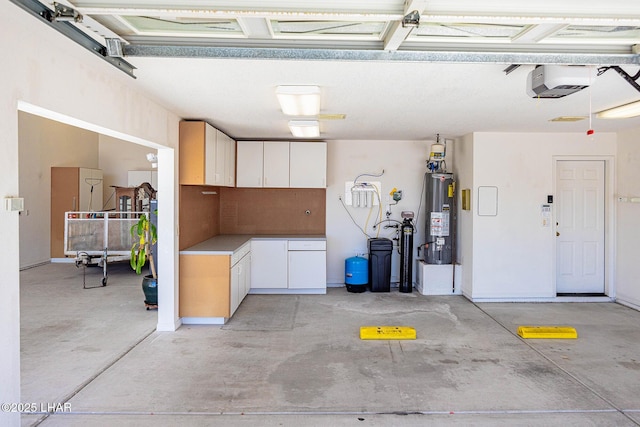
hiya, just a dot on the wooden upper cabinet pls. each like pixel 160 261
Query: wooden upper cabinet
pixel 207 156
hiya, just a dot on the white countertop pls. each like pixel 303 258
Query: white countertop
pixel 227 244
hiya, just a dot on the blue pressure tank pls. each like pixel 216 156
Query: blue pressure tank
pixel 356 271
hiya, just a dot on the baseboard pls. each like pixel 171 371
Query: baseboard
pixel 39 264
pixel 63 260
pixel 204 320
pixel 543 299
pixel 279 291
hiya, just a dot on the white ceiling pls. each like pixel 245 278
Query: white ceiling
pixel 382 100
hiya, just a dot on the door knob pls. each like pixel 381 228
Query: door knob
pixel 557 234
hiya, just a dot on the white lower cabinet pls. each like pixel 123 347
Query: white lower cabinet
pixel 269 264
pixel 307 269
pixel 288 266
pixel 240 281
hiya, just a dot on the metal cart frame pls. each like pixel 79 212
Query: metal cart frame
pixel 98 238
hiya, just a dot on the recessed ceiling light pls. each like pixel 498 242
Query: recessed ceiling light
pixel 299 100
pixel 568 119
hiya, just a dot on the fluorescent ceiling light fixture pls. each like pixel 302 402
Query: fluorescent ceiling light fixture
pixel 304 128
pixel 622 112
pixel 299 100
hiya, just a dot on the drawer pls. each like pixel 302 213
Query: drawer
pixel 240 253
pixel 307 245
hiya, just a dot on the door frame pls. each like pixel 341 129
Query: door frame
pixel 609 218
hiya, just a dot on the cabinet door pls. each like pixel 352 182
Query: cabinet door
pixel 236 284
pixel 228 171
pixel 212 156
pixel 246 268
pixel 249 164
pixel 244 273
pixel 64 197
pixel 307 269
pixel 276 164
pixel 192 152
pixel 205 286
pixel 308 165
pixel 269 264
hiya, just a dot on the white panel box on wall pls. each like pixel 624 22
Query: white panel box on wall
pixel 438 279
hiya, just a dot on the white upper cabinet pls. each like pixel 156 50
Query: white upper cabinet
pixel 281 164
pixel 308 165
pixel 212 157
pixel 207 156
pixel 226 162
pixel 276 164
pixel 249 164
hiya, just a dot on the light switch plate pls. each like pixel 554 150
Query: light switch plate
pixel 14 204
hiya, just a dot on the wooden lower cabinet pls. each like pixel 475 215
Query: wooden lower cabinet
pixel 205 286
pixel 213 286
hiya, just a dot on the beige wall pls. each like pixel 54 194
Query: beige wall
pixel 45 143
pixel 42 144
pixel 116 159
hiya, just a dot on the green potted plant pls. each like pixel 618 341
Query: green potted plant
pixel 144 234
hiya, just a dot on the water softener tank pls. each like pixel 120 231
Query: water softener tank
pixel 439 225
pixel 356 272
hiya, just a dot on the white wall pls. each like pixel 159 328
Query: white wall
pixel 99 98
pixel 463 174
pixel 403 163
pixel 45 143
pixel 628 219
pixel 513 255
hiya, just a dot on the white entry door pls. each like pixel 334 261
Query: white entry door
pixel 580 226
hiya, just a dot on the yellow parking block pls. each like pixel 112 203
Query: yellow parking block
pixel 565 332
pixel 387 333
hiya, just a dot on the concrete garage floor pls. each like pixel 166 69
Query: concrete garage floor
pixel 298 360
